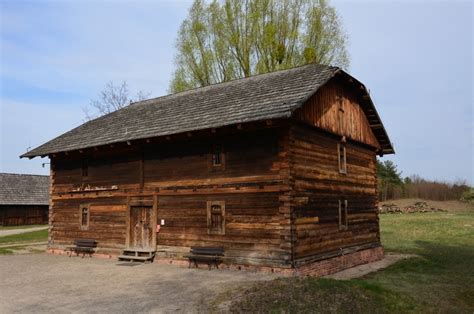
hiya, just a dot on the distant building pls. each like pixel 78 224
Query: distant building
pixel 24 199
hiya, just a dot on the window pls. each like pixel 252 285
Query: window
pixel 85 168
pixel 215 217
pixel 217 155
pixel 341 152
pixel 340 116
pixel 217 160
pixel 342 214
pixel 84 217
pixel 340 103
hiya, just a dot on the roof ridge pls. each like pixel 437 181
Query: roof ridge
pixel 272 95
pixel 191 91
pixel 207 87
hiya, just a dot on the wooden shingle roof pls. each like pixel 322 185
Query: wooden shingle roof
pixel 24 189
pixel 273 95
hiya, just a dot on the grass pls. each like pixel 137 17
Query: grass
pixel 34 236
pixel 441 279
pixel 4 251
pixel 305 295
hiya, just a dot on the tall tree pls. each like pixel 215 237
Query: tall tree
pixel 113 97
pixel 389 178
pixel 223 40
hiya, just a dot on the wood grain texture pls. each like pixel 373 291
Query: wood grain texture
pixel 15 215
pixel 318 187
pixel 176 179
pixel 337 110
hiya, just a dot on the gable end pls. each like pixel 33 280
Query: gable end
pixel 342 106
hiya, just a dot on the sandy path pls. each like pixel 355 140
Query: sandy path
pixel 8 232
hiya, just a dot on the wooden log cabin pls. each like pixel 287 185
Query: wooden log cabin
pixel 278 169
pixel 24 199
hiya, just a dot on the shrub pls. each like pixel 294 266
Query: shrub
pixel 468 196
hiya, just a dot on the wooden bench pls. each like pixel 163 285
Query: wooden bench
pixel 209 255
pixel 84 246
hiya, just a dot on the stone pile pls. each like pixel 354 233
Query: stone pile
pixel 418 207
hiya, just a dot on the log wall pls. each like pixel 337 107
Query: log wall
pixel 317 188
pixel 15 215
pixel 179 179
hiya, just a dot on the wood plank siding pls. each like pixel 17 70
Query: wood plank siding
pixel 335 108
pixel 181 177
pixel 15 215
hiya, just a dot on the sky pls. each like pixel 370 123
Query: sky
pixel 416 58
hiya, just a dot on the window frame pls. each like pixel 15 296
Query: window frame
pixel 213 152
pixel 340 102
pixel 210 230
pixel 342 163
pixel 343 219
pixel 85 226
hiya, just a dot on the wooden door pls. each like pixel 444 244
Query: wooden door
pixel 141 227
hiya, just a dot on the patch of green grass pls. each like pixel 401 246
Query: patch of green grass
pixel 21 227
pixel 309 295
pixel 441 279
pixel 34 236
pixel 15 249
pixel 5 251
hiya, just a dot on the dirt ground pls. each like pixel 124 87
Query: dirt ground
pixel 362 270
pixel 59 284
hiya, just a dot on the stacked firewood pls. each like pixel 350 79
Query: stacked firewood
pixel 418 207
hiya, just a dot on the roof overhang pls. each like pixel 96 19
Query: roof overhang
pixel 373 117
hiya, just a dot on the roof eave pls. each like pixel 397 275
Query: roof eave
pixel 388 149
pixel 32 154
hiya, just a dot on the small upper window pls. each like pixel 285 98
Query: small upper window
pixel 85 168
pixel 216 217
pixel 84 217
pixel 341 151
pixel 217 156
pixel 343 215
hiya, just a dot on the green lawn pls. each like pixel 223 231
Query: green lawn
pixel 441 279
pixel 34 236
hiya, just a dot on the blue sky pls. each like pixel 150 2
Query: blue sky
pixel 414 56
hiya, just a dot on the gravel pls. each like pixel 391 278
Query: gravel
pixel 59 284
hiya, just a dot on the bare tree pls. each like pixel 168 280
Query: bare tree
pixel 111 98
